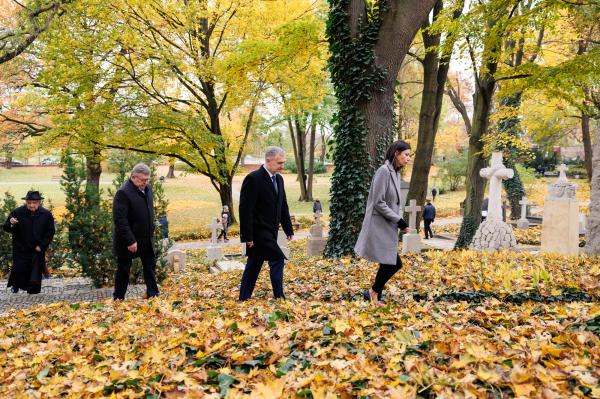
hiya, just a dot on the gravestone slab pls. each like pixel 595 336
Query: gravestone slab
pixel 411 240
pixel 226 266
pixel 523 222
pixel 214 250
pixel 316 242
pixel 282 241
pixel 493 233
pixel 176 259
pixel 583 219
pixel 560 226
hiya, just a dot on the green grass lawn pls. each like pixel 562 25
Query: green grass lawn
pixel 193 201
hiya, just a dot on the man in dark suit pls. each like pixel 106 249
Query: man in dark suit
pixel 263 206
pixel 133 231
pixel 32 229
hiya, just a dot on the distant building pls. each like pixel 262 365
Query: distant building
pixel 571 152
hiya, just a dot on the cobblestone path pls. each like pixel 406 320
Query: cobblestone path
pixel 71 290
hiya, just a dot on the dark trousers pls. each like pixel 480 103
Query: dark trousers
pixel 122 275
pixel 428 231
pixel 250 276
pixel 223 233
pixel 384 274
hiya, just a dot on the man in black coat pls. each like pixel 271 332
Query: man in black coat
pixel 32 229
pixel 263 206
pixel 133 231
pixel 428 218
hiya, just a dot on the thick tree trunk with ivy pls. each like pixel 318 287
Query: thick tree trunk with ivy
pixel 511 125
pixel 435 73
pixel 475 184
pixel 592 246
pixel 366 54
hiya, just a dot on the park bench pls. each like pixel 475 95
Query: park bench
pixel 551 174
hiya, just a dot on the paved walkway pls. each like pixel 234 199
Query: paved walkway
pixel 71 290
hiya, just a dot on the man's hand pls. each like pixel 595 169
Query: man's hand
pixel 38 249
pixel 132 248
pixel 406 230
pixel 250 244
pixel 290 238
pixel 14 221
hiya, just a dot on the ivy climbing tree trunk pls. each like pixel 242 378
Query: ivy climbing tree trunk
pixel 511 125
pixel 368 42
pixel 513 187
pixel 475 184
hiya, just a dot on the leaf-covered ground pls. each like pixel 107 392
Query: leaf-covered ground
pixel 449 329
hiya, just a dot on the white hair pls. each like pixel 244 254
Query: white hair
pixel 273 151
pixel 140 169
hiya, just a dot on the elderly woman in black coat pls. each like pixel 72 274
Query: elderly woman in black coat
pixel 378 238
pixel 32 229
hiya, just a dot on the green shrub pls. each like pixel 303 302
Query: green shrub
pixel 290 166
pixel 8 204
pixel 89 224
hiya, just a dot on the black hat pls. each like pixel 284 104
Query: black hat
pixel 33 196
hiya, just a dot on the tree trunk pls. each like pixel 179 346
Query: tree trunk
pixel 587 144
pixel 592 246
pixel 363 70
pixel 435 73
pixel 311 158
pixel 475 184
pixel 300 124
pixel 323 147
pixel 171 172
pixel 226 195
pixel 400 24
pixel 93 167
pixel 514 189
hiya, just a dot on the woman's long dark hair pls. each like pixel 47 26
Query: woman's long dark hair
pixel 394 148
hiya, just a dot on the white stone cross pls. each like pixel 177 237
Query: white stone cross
pixel 562 175
pixel 214 226
pixel 496 173
pixel 524 204
pixel 412 218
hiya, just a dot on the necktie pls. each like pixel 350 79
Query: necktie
pixel 274 183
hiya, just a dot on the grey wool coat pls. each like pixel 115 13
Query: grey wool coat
pixel 378 238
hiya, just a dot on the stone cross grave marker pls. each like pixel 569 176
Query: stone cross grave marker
pixel 214 251
pixel 412 218
pixel 523 222
pixel 214 226
pixel 562 172
pixel 411 241
pixel 494 234
pixel 495 174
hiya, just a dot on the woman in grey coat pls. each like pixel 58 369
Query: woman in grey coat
pixel 378 238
